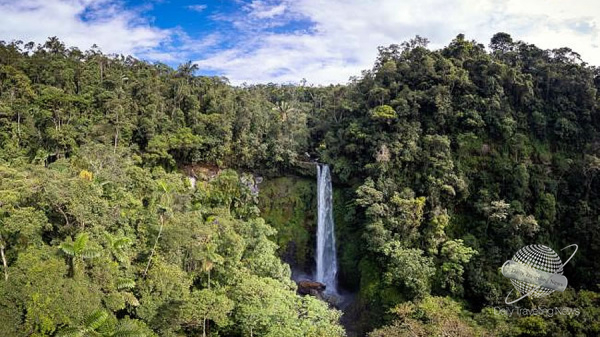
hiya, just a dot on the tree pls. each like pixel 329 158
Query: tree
pixel 117 246
pixel 78 250
pixel 384 112
pixel 590 170
pixel 97 324
pixel 501 42
pixel 209 258
pixel 163 210
pixel 409 269
pixel 207 305
pixel 454 255
pixel 20 227
pixel 444 161
pixel 434 316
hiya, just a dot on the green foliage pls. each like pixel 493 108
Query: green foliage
pixel 289 205
pixel 78 248
pixel 384 112
pixel 98 324
pixel 265 308
pixel 409 269
pixel 433 316
pixel 212 243
pixel 455 158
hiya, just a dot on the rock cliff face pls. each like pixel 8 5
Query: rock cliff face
pixel 289 204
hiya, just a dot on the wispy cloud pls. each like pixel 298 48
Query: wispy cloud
pixel 345 34
pixel 197 8
pixel 81 23
pixel 265 10
pixel 106 23
pixel 324 41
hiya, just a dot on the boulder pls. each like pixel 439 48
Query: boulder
pixel 307 287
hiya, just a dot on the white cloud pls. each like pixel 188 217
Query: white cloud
pixel 197 8
pixel 81 23
pixel 346 33
pixel 263 10
pixel 341 39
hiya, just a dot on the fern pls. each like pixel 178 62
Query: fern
pixel 109 238
pixel 92 323
pixel 95 320
pixel 125 283
pixel 70 332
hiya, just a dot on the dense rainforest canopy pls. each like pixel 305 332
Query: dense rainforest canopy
pixel 446 162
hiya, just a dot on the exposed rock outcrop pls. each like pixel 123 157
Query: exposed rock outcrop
pixel 313 288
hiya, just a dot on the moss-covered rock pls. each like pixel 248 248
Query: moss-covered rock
pixel 289 204
pixel 348 238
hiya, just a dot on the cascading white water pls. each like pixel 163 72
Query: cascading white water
pixel 326 254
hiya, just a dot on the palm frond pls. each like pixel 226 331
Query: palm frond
pixel 130 299
pixel 109 238
pixel 95 320
pixel 67 248
pixel 128 329
pixel 81 241
pixel 71 332
pixel 125 283
pixel 129 333
pixel 121 243
pixel 90 254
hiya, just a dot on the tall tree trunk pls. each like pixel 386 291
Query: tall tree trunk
pixel 116 133
pixel 101 66
pixel 4 262
pixel 162 221
pixel 19 125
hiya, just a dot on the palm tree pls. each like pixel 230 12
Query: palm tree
pixel 210 258
pixel 95 321
pixel 78 250
pixel 4 264
pixel 186 70
pixel 284 109
pixel 125 284
pixel 117 246
pixel 163 210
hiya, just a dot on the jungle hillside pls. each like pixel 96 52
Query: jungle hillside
pixel 141 200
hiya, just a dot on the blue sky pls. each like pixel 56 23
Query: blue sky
pixel 322 41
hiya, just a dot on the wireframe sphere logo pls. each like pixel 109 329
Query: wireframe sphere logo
pixel 536 271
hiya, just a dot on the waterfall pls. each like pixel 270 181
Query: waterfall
pixel 326 255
